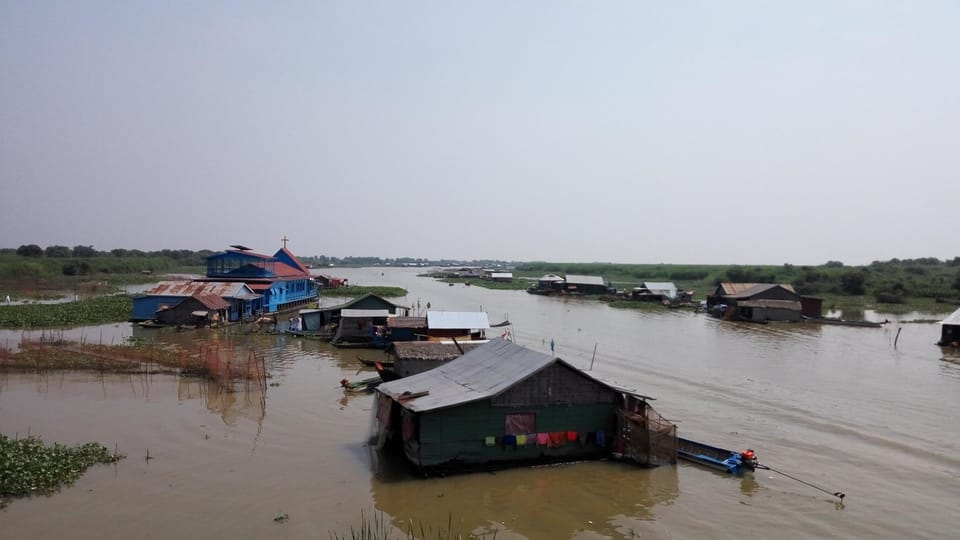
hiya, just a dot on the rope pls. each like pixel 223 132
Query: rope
pixel 839 494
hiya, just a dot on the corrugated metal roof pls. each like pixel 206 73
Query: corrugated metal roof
pixel 193 288
pixel 480 374
pixel 584 280
pixel 407 322
pixel 212 301
pixel 457 320
pixel 364 313
pixel 954 318
pixel 743 290
pixel 660 285
pixel 550 277
pixel 495 275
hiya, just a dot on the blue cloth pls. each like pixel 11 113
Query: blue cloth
pixel 601 439
pixel 509 440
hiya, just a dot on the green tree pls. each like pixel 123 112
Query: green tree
pixel 59 252
pixel 84 251
pixel 30 250
pixel 853 283
pixel 76 268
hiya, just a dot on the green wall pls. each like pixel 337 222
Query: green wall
pixel 457 434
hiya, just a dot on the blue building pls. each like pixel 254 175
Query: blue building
pixel 282 280
pixel 167 295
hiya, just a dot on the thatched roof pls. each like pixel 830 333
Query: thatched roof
pixel 430 350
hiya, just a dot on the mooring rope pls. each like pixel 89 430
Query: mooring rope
pixel 839 494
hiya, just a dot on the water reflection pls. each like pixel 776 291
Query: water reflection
pixel 604 498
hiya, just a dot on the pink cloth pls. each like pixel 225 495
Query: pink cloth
pixel 543 439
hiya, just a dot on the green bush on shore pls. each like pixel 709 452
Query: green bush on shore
pixel 95 310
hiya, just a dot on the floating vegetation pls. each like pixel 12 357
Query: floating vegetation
pixel 359 290
pixel 378 528
pixel 223 364
pixel 95 310
pixel 28 467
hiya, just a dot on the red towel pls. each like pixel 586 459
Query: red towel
pixel 571 436
pixel 556 438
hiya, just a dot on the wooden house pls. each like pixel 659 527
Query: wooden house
pixel 463 325
pixel 361 325
pixel 950 330
pixel 548 283
pixel 169 294
pixel 758 302
pixel 503 404
pixel 654 291
pixel 412 357
pixel 201 309
pixel 407 328
pixel 585 284
pixel 282 280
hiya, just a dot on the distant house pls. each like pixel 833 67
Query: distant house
pixel 950 330
pixel 501 277
pixel 547 284
pixel 325 281
pixel 585 284
pixel 656 291
pixel 757 301
pixel 282 279
pixel 501 404
pixel 243 302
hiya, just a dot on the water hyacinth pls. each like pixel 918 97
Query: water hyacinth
pixel 28 467
pixel 96 310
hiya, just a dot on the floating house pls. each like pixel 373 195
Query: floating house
pixel 407 328
pixel 502 404
pixel 950 330
pixel 585 284
pixel 166 295
pixel 201 309
pixel 655 291
pixel 362 326
pixel 757 302
pixel 282 280
pixel 546 284
pixel 462 325
pixel 412 357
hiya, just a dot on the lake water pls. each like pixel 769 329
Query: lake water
pixel 836 406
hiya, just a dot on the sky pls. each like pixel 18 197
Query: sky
pixel 712 132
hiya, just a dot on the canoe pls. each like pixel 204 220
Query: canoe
pixel 362 385
pixel 715 457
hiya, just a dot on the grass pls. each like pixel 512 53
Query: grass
pixel 516 285
pixel 29 467
pixel 354 291
pixel 95 310
pixel 376 527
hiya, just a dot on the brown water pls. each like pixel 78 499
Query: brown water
pixel 836 406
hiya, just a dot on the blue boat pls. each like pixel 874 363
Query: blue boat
pixel 716 458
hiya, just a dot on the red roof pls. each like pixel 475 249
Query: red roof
pixel 212 301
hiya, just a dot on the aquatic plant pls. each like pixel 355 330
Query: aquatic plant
pixel 376 527
pixel 28 467
pixel 95 310
pixel 360 290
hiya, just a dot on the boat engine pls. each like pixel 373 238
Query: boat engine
pixel 749 458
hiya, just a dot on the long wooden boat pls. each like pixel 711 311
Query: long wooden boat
pixel 312 334
pixel 715 457
pixel 362 385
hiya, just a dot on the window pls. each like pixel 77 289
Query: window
pixel 520 423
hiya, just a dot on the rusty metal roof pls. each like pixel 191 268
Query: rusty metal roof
pixel 212 301
pixel 407 322
pixel 745 290
pixel 222 289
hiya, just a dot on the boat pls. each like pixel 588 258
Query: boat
pixel 322 335
pixel 373 363
pixel 843 322
pixel 715 457
pixel 362 385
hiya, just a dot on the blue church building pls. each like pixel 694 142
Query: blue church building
pixel 282 280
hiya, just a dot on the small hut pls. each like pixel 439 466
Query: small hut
pixel 503 404
pixel 950 330
pixel 201 309
pixel 412 357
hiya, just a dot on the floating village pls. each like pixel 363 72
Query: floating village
pixel 453 392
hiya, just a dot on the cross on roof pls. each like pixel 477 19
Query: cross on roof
pixel 284 240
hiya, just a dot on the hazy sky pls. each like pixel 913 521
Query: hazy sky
pixel 679 132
